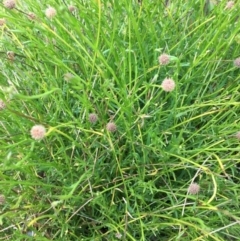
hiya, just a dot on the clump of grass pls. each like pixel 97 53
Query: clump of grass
pixel 92 177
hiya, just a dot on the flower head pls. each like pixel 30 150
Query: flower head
pixel 50 12
pixel 11 55
pixel 2 22
pixel 111 127
pixel 31 16
pixel 2 105
pixel 2 199
pixel 168 85
pixel 71 8
pixel 9 4
pixel 237 62
pixel 229 5
pixel 68 76
pixel 164 59
pixel 93 118
pixel 238 135
pixel 38 132
pixel 118 235
pixel 194 188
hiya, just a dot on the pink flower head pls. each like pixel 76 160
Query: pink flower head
pixel 229 4
pixel 168 85
pixel 50 12
pixel 93 118
pixel 164 59
pixel 111 127
pixel 38 132
pixel 9 4
pixel 194 188
pixel 237 62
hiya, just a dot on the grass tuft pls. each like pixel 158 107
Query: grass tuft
pixel 98 142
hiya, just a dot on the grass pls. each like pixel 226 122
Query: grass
pixel 83 182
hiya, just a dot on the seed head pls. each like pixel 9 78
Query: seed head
pixel 2 22
pixel 50 12
pixel 71 8
pixel 194 188
pixel 168 84
pixel 93 118
pixel 31 16
pixel 38 132
pixel 164 59
pixel 118 235
pixel 68 76
pixel 111 127
pixel 11 55
pixel 238 135
pixel 9 4
pixel 229 5
pixel 2 105
pixel 2 199
pixel 237 62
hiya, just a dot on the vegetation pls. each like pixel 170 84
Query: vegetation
pixel 119 120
